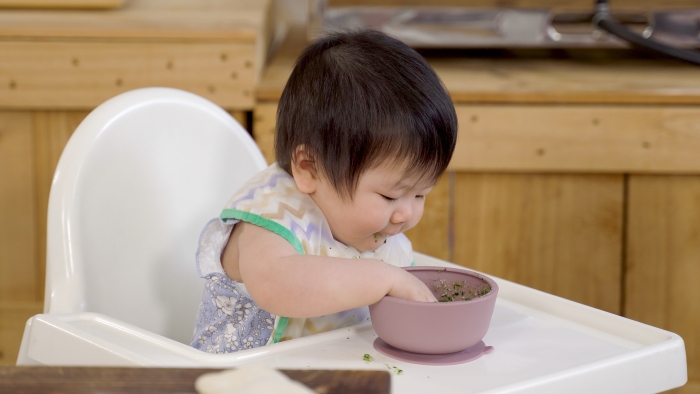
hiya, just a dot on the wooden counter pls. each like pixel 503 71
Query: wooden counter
pixel 85 380
pixel 72 59
pixel 576 173
pixel 57 65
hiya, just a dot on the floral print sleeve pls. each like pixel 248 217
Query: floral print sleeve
pixel 228 320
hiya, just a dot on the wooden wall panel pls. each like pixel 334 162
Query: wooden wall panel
pixel 561 234
pixel 62 4
pixel 241 117
pixel 264 120
pixel 583 139
pixel 692 387
pixel 522 76
pixel 13 316
pixel 142 20
pixel 431 235
pixel 663 259
pixel 582 76
pixel 51 131
pixel 18 273
pixel 88 73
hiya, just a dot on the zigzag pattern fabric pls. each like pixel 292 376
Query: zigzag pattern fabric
pixel 228 319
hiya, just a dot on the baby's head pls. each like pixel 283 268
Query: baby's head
pixel 360 101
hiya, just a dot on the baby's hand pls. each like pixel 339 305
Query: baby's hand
pixel 409 287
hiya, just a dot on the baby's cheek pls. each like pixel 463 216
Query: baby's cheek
pixel 417 215
pixel 370 224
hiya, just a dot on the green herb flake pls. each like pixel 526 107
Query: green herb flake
pixel 395 369
pixel 367 358
pixel 458 291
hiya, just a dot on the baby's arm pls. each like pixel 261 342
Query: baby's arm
pixel 286 283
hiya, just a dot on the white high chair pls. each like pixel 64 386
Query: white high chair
pixel 135 185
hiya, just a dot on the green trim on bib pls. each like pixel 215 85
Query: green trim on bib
pixel 276 228
pixel 265 223
pixel 279 330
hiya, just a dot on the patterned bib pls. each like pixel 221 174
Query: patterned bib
pixel 229 319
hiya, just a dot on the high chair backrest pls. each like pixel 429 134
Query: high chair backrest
pixel 135 185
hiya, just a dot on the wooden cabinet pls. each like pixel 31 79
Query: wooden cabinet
pixel 558 233
pixel 57 65
pixel 662 262
pixel 576 174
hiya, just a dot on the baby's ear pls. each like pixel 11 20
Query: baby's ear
pixel 304 170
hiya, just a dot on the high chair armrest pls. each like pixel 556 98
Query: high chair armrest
pixel 93 339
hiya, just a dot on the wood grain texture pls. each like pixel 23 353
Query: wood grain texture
pixel 62 4
pixel 556 5
pixel 588 139
pixel 13 317
pixel 51 131
pixel 663 258
pixel 18 259
pixel 567 77
pixel 171 380
pixel 280 64
pixel 241 117
pixel 182 20
pixel 431 235
pixel 264 121
pixel 561 234
pixel 692 387
pixel 82 75
pixel 532 76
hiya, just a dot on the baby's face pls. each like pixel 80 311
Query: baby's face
pixel 385 204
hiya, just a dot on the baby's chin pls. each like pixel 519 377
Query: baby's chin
pixel 372 243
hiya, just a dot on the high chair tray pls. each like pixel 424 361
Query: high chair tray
pixel 542 344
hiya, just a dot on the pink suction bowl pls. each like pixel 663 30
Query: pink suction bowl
pixel 436 328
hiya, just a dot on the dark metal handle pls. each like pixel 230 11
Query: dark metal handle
pixel 603 20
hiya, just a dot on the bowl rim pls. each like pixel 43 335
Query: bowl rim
pixel 485 298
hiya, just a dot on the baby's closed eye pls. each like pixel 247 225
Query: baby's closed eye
pixel 388 198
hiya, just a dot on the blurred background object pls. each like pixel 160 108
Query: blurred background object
pixel 507 24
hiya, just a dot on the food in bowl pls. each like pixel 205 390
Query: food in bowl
pixel 437 327
pixel 458 290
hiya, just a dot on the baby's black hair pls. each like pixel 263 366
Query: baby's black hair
pixel 357 99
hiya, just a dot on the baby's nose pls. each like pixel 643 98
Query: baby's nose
pixel 402 214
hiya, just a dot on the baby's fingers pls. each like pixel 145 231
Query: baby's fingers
pixel 409 287
pixel 429 296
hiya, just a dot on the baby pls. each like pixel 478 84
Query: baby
pixel 364 130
